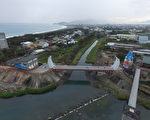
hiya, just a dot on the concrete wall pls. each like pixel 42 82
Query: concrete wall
pixel 3 41
pixel 3 44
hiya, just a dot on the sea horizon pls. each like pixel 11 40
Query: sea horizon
pixel 20 29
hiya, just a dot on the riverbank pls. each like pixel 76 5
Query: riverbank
pixel 67 98
pixel 69 54
pixel 122 94
pixel 92 57
pixel 81 52
pixel 19 92
pixel 114 84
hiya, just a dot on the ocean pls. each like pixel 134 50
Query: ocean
pixel 19 29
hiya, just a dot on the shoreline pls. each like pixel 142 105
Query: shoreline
pixel 34 33
pixel 34 91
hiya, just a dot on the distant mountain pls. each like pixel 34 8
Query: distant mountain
pixel 84 22
pixel 77 22
pixel 145 22
pixel 61 23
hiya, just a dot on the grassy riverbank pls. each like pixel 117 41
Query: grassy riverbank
pixel 122 94
pixel 69 54
pixel 19 92
pixel 92 57
pixel 114 89
pixel 81 52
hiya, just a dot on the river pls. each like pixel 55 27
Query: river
pixel 74 92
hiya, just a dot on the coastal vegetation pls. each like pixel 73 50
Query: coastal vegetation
pixel 16 50
pixel 19 92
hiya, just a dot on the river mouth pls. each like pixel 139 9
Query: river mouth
pixel 74 93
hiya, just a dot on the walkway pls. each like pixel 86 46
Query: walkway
pixel 114 67
pixel 84 68
pixel 134 90
pixel 129 111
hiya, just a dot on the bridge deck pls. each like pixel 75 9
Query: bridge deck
pixel 83 68
pixel 134 90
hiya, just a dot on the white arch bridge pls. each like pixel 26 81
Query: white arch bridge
pixel 129 112
pixel 114 67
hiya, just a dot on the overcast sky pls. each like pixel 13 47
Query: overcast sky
pixel 51 11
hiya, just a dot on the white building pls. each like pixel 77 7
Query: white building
pixel 79 32
pixel 3 41
pixel 43 44
pixel 108 31
pixel 121 45
pixel 38 51
pixel 127 36
pixel 27 44
pixel 72 41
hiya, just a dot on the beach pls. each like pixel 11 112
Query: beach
pixel 20 29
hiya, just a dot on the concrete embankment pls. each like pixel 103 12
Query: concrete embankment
pixel 12 80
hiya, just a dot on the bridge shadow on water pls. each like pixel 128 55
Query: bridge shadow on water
pixel 77 82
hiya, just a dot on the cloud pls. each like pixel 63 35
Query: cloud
pixel 104 11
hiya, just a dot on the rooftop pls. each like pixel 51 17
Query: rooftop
pixel 146 59
pixel 21 60
pixel 143 37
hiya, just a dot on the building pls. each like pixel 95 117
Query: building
pixel 29 61
pixel 143 40
pixel 3 41
pixel 79 32
pixel 43 44
pixel 108 31
pixel 146 61
pixel 72 41
pixel 127 36
pixel 142 52
pixel 28 44
pixel 121 45
pixel 38 51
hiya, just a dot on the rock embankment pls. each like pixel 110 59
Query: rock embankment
pixel 10 80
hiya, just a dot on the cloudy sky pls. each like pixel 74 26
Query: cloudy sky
pixel 51 11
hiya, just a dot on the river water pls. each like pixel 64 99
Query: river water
pixel 53 104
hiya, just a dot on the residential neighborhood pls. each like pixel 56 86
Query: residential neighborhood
pixel 132 41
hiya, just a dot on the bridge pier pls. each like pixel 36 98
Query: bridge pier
pixel 130 113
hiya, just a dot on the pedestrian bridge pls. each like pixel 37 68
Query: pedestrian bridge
pixel 111 68
pixel 130 112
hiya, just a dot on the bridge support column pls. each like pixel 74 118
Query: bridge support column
pixel 130 113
